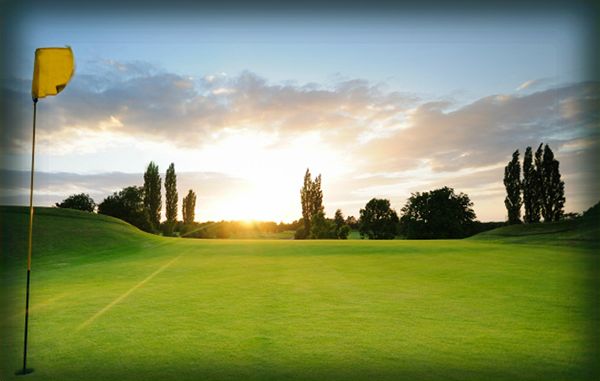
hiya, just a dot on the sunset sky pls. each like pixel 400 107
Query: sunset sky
pixel 381 105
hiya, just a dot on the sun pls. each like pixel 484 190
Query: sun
pixel 264 202
pixel 270 175
pixel 247 222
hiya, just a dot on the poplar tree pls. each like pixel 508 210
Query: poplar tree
pixel 188 208
pixel 538 183
pixel 152 196
pixel 171 197
pixel 553 188
pixel 317 196
pixel 512 182
pixel 531 189
pixel 311 199
pixel 184 210
pixel 306 201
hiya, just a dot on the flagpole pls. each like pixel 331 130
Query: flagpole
pixel 52 71
pixel 29 246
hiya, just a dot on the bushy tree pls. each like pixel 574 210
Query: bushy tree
pixel 300 233
pixel 343 232
pixel 378 220
pixel 553 188
pixel 128 205
pixel 341 227
pixel 311 199
pixel 321 227
pixel 188 208
pixel 512 182
pixel 81 201
pixel 171 199
pixel 440 213
pixel 531 188
pixel 152 196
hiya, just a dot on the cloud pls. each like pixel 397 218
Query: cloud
pixel 488 130
pixel 534 84
pixel 137 99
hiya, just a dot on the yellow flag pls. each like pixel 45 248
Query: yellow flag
pixel 52 71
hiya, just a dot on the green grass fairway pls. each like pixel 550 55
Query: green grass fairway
pixel 112 303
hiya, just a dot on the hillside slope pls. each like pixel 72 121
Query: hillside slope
pixel 582 231
pixel 59 232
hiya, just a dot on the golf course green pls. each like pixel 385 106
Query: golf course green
pixel 110 302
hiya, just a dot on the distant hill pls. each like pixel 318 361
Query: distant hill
pixel 584 230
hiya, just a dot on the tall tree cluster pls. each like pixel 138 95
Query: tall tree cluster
pixel 141 206
pixel 311 198
pixel 152 196
pixel 542 189
pixel 188 207
pixel 315 224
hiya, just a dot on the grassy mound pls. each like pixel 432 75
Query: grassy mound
pixel 65 233
pixel 581 231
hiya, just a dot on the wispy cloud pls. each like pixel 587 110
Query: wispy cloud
pixel 526 84
pixel 533 84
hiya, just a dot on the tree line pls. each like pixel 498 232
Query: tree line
pixel 141 206
pixel 539 189
pixel 440 213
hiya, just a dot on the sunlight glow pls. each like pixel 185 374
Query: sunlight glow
pixel 274 175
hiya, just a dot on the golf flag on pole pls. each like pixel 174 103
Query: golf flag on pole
pixel 53 69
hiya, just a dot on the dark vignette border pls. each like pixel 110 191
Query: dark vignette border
pixel 588 12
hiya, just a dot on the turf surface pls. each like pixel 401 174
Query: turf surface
pixel 110 302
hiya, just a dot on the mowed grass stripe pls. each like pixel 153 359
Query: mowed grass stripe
pixel 127 293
